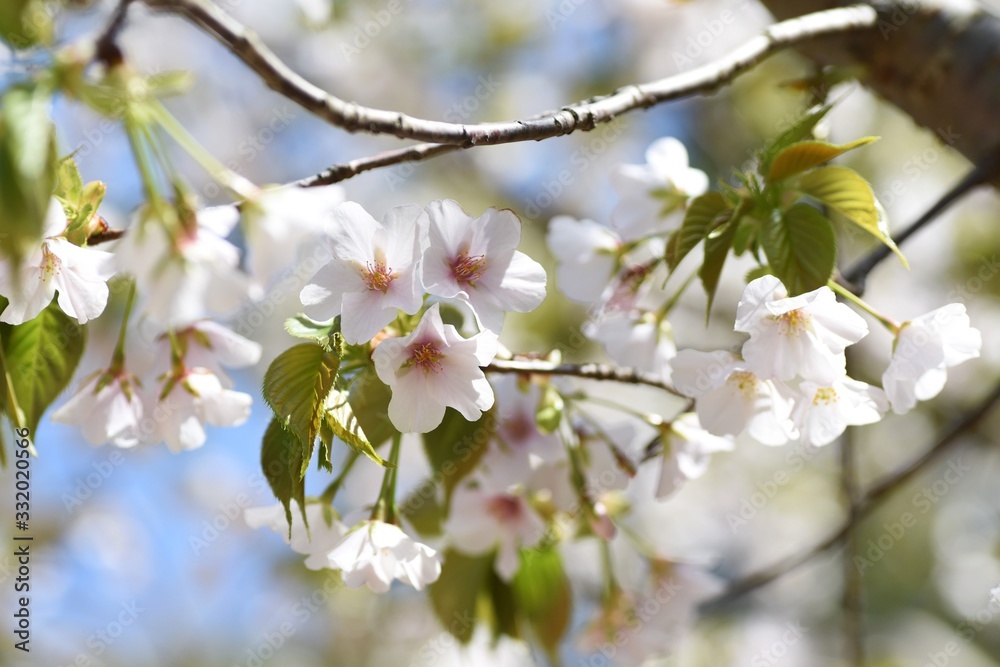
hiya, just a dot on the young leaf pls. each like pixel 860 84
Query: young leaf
pixel 550 410
pixel 844 191
pixel 453 596
pixel 281 455
pixel 542 593
pixel 805 155
pixel 301 326
pixel 801 248
pixel 800 130
pixel 41 356
pixel 296 386
pixel 716 249
pixel 369 399
pixel 454 447
pixel 25 23
pixel 704 214
pixel 340 419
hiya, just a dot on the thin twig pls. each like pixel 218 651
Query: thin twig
pixel 586 371
pixel 871 501
pixel 105 46
pixel 581 116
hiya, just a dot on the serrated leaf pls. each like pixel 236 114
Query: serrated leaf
pixel 549 414
pixel 339 417
pixel 704 214
pixel 301 326
pixel 281 456
pixel 801 248
pixel 543 596
pixel 847 193
pixel 27 168
pixel 296 386
pixel 41 356
pixel 454 595
pixel 69 185
pixel 804 155
pixel 369 399
pixel 799 130
pixel 456 445
pixel 716 250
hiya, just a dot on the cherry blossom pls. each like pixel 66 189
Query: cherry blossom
pixel 687 449
pixel 485 516
pixel 476 261
pixel 108 407
pixel 209 345
pixel 189 275
pixel 78 274
pixel 730 398
pixel 651 191
pixel 804 335
pixel 375 270
pixel 315 543
pixel 637 340
pixel 279 222
pixel 924 349
pixel 374 553
pixel 824 412
pixel 432 368
pixel 587 254
pixel 194 398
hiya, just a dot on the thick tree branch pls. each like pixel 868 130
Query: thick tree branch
pixel 586 371
pixel 581 116
pixel 870 502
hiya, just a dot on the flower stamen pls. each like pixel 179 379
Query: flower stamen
pixel 378 277
pixel 467 269
pixel 426 356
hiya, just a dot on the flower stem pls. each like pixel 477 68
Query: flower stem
pixel 887 322
pixel 610 583
pixel 118 357
pixel 331 491
pixel 385 506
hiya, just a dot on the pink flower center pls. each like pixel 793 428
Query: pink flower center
pixel 504 508
pixel 426 356
pixel 378 277
pixel 468 269
pixel 518 430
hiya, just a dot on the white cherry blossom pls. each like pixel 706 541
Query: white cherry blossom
pixel 637 340
pixel 924 349
pixel 375 270
pixel 476 261
pixel 687 449
pixel 432 368
pixel 651 191
pixel 374 553
pixel 78 274
pixel 211 346
pixel 280 221
pixel 314 543
pixel 189 275
pixel 587 254
pixel 804 335
pixel 109 408
pixel 485 516
pixel 194 399
pixel 730 398
pixel 825 411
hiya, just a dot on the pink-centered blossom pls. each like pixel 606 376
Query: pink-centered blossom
pixel 432 368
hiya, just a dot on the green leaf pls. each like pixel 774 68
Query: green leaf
pixel 41 356
pixel 422 509
pixel 846 192
pixel 340 419
pixel 455 447
pixel 801 248
pixel 281 457
pixel 25 23
pixel 550 410
pixel 543 596
pixel 69 185
pixel 805 155
pixel 716 249
pixel 503 609
pixel 801 129
pixel 301 326
pixel 704 214
pixel 296 386
pixel 369 399
pixel 757 272
pixel 169 84
pixel 27 168
pixel 454 595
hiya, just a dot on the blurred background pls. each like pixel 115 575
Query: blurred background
pixel 141 557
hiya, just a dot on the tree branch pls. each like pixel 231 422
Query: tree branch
pixel 105 46
pixel 871 501
pixel 581 116
pixel 586 371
